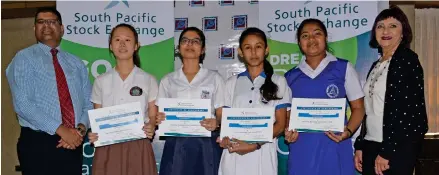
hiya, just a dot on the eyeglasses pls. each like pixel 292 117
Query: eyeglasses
pixel 187 41
pixel 47 21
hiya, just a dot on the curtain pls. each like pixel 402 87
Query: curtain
pixel 426 38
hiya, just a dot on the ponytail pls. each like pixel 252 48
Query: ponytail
pixel 136 57
pixel 269 88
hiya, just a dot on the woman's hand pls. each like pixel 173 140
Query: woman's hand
pixel 210 124
pixel 92 137
pixel 149 130
pixel 359 160
pixel 381 165
pixel 159 118
pixel 291 136
pixel 224 143
pixel 242 147
pixel 339 137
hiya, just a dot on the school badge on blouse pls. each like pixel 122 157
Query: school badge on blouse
pixel 205 94
pixel 136 91
pixel 332 91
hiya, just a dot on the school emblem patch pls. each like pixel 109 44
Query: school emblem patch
pixel 136 91
pixel 205 94
pixel 332 91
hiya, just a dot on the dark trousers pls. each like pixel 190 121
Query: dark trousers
pixel 38 155
pixel 401 164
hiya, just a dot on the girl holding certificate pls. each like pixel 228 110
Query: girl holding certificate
pixel 321 75
pixel 126 83
pixel 192 155
pixel 257 87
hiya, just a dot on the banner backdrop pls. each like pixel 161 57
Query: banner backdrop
pixel 222 22
pixel 349 27
pixel 87 25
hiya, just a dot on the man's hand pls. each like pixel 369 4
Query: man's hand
pixel 70 136
pixel 63 144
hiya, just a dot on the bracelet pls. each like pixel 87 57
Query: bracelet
pixel 350 132
pixel 258 146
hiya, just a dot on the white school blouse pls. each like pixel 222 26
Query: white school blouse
pixel 206 84
pixel 109 89
pixel 241 92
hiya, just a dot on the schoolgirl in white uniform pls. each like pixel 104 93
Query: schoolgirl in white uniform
pixel 257 87
pixel 126 83
pixel 192 155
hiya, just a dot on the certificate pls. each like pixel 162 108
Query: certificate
pixel 317 114
pixel 116 124
pixel 248 124
pixel 183 117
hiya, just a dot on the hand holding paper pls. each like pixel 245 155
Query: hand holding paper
pixel 248 124
pixel 116 124
pixel 317 115
pixel 185 117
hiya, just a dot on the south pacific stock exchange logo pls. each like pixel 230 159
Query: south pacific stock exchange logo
pixel 116 2
pixel 94 67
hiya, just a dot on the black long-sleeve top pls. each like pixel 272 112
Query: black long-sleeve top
pixel 405 115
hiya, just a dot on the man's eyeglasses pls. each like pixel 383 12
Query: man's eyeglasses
pixel 47 21
pixel 187 41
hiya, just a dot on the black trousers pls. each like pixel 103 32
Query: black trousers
pixel 400 164
pixel 38 155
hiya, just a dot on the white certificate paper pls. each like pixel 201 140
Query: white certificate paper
pixel 248 124
pixel 308 115
pixel 116 124
pixel 183 117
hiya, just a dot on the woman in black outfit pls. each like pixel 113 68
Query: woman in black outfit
pixel 396 118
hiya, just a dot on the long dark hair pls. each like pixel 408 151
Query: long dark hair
pixel 269 89
pixel 136 57
pixel 202 38
pixel 318 23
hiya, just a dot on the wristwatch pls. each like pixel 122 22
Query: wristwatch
pixel 81 131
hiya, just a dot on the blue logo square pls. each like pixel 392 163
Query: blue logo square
pixel 253 1
pixel 226 3
pixel 239 22
pixel 180 24
pixel 210 23
pixel 196 3
pixel 226 52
